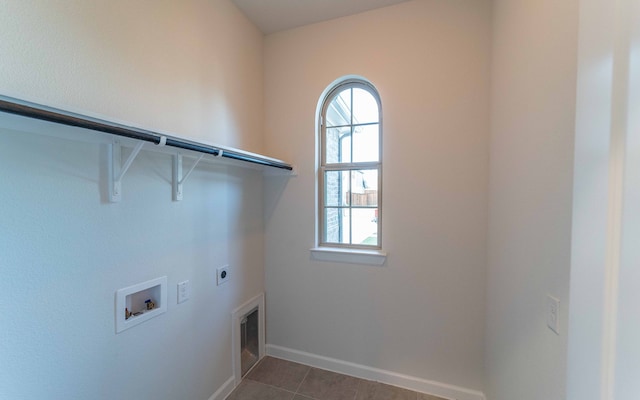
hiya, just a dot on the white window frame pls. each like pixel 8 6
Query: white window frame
pixel 329 251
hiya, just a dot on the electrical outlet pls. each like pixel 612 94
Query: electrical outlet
pixel 222 275
pixel 553 313
pixel 184 290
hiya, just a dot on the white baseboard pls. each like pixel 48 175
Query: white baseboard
pixel 433 388
pixel 224 390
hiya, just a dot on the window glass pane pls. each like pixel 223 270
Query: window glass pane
pixel 337 222
pixel 365 226
pixel 336 188
pixel 365 107
pixel 366 143
pixel 338 145
pixel 351 135
pixel 364 187
pixel 339 110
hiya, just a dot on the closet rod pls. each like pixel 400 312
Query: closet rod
pixel 38 111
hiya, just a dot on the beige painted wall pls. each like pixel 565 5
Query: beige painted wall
pixel 533 113
pixel 192 68
pixel 421 314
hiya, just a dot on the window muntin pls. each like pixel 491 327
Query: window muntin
pixel 350 173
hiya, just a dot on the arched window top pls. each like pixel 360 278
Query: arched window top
pixel 352 102
pixel 350 170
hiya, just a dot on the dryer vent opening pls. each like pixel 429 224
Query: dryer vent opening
pixel 249 341
pixel 247 336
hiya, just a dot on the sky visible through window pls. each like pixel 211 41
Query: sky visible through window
pixel 365 139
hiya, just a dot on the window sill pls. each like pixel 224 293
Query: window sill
pixel 353 256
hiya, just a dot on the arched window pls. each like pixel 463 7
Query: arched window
pixel 350 170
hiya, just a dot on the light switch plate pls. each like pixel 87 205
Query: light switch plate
pixel 184 290
pixel 553 313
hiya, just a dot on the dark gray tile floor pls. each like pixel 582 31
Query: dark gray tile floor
pixel 276 379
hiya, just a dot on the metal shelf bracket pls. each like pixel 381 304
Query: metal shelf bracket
pixel 178 178
pixel 117 170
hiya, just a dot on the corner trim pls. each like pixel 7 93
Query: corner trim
pixel 434 388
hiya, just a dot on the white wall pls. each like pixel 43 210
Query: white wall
pixel 627 367
pixel 603 343
pixel 422 313
pixel 191 68
pixel 627 385
pixel 533 113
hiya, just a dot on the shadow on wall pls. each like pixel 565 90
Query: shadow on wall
pixel 273 190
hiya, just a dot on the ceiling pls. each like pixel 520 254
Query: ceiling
pixel 277 15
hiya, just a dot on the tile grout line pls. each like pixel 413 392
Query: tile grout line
pixel 268 385
pixel 355 396
pixel 271 386
pixel 302 381
pixel 297 390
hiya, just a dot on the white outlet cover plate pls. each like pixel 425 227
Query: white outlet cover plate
pixel 219 272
